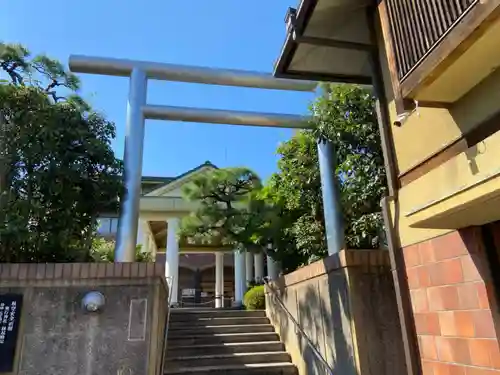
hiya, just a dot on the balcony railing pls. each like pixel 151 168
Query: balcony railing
pixel 418 26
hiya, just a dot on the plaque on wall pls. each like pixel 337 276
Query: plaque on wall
pixel 10 314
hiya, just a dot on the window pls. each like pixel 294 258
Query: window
pixel 107 225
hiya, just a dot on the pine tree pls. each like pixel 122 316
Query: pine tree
pixel 58 171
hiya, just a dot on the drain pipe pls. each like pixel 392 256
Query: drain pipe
pixel 402 290
pixel 398 270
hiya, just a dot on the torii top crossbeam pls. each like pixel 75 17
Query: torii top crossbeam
pixel 186 73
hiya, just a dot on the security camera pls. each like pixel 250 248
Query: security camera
pixel 404 116
pixel 401 119
pixel 93 301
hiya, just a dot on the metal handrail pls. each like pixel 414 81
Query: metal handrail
pixel 203 303
pixel 315 351
pixel 167 324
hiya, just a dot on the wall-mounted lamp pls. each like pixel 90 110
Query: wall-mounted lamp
pixel 93 301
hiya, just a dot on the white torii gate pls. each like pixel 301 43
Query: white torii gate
pixel 138 111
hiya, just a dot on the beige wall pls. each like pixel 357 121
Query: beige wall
pixel 427 132
pixel 346 305
pixel 57 336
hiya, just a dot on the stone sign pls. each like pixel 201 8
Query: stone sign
pixel 10 314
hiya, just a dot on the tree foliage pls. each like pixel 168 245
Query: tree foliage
pixel 103 250
pixel 226 212
pixel 344 115
pixel 58 171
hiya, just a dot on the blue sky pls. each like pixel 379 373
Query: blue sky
pixel 216 33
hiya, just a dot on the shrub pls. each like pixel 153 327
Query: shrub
pixel 254 298
pixel 254 283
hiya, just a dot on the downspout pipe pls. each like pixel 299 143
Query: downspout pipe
pixel 398 270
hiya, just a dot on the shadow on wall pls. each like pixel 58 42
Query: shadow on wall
pixel 349 315
pixel 321 308
pixel 481 260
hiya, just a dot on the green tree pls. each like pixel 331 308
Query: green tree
pixel 103 250
pixel 226 212
pixel 344 115
pixel 58 171
pixel 293 222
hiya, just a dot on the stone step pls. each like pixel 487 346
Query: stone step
pixel 208 330
pixel 227 348
pixel 249 369
pixel 223 321
pixel 228 359
pixel 194 314
pixel 214 339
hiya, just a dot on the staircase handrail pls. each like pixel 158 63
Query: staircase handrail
pixel 212 301
pixel 315 351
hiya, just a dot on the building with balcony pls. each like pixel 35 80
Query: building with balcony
pixel 433 65
pixel 203 273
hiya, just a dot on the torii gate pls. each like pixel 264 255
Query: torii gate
pixel 138 111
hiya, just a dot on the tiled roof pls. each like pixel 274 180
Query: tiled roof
pixel 152 183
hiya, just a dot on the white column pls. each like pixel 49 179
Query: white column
pixel 239 277
pixel 273 268
pixel 152 244
pixel 259 266
pixel 140 233
pixel 172 258
pixel 143 227
pixel 219 279
pixel 222 282
pixel 146 243
pixel 249 267
pixel 243 281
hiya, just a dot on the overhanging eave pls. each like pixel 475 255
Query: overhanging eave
pixel 327 40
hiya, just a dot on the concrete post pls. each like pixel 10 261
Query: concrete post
pixel 273 268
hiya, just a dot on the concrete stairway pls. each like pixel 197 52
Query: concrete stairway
pixel 228 342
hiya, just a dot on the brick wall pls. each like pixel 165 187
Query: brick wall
pixel 454 305
pixel 78 271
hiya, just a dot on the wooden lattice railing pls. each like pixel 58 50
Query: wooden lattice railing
pixel 418 26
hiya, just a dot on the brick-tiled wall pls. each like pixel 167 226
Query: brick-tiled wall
pixel 454 305
pixel 68 271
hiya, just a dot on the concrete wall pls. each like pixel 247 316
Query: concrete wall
pixel 58 337
pixel 346 305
